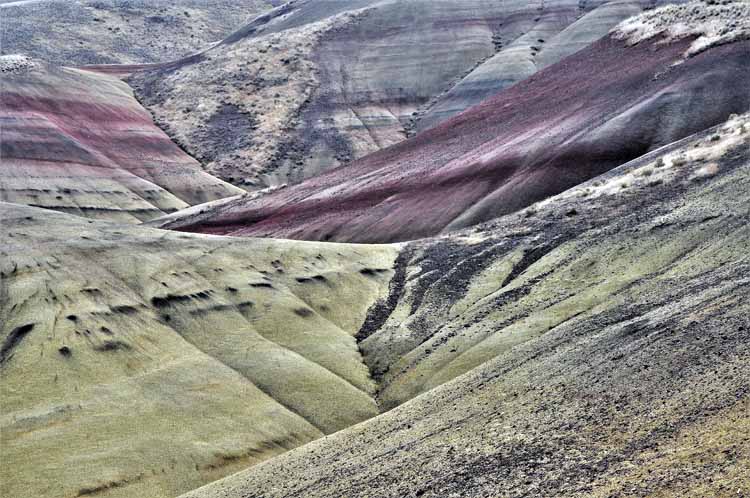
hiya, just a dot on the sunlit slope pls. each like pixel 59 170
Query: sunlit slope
pixel 463 300
pixel 603 340
pixel 136 362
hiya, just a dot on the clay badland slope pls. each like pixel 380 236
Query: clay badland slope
pixel 607 104
pixel 595 345
pixel 316 83
pixel 521 350
pixel 137 362
pixel 80 143
pixel 77 32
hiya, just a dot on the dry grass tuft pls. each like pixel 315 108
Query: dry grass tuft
pixel 712 23
pixel 16 63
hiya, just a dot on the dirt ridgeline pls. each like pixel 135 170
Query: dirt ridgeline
pixel 576 323
pixel 78 142
pixel 205 354
pixel 80 32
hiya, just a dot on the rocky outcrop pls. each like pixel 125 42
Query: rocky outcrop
pixel 540 137
pixel 77 32
pixel 320 83
pixel 79 142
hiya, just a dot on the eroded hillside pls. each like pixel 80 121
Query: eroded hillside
pixel 78 142
pixel 604 348
pixel 315 84
pixel 226 352
pixel 566 317
pixel 77 32
pixel 535 139
pixel 180 358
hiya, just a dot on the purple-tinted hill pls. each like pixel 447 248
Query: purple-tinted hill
pixel 581 117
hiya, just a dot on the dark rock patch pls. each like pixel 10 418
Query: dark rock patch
pixel 112 346
pixel 13 340
pixel 303 312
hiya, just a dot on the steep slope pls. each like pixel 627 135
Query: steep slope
pixel 76 32
pixel 317 83
pixel 461 300
pixel 540 137
pixel 542 45
pixel 135 362
pixel 79 142
pixel 604 336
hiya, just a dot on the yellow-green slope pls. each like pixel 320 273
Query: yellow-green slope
pixel 593 346
pixel 135 362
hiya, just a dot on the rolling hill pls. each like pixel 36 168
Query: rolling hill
pixel 545 134
pixel 79 142
pixel 542 352
pixel 585 348
pixel 137 362
pixel 314 84
pixel 77 32
pixel 556 304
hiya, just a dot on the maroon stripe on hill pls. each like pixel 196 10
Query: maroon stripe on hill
pixel 589 113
